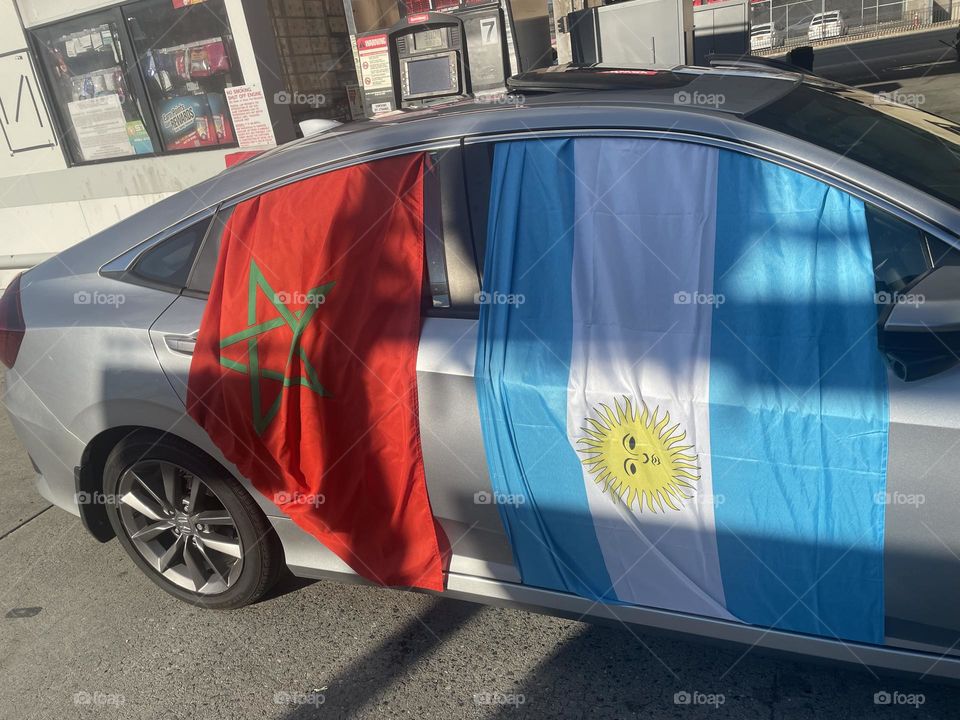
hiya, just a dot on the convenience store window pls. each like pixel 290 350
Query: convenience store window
pixel 144 78
pixel 95 87
pixel 186 55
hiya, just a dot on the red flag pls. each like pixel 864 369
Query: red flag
pixel 304 373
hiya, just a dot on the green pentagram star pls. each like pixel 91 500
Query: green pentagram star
pixel 297 321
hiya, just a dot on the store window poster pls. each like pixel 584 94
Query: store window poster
pixel 139 138
pixel 192 121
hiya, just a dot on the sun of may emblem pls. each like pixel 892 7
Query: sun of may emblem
pixel 639 458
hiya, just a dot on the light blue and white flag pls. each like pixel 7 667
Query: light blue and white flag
pixel 690 398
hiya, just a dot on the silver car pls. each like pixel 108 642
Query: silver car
pixel 98 342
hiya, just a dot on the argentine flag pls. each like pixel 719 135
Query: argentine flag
pixel 690 398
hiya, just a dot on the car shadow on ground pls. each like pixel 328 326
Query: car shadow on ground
pixel 618 671
pixel 362 682
pixel 288 583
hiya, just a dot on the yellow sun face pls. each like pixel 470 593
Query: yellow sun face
pixel 639 459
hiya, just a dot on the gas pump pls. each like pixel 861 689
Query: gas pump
pixel 444 50
pixel 484 27
pixel 420 61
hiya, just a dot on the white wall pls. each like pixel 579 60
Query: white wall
pixel 19 88
pixel 46 206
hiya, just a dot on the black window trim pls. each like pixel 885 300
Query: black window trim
pixel 220 216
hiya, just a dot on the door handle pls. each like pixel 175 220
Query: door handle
pixel 183 344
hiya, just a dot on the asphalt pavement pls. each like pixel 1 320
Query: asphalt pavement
pixel 882 58
pixel 84 634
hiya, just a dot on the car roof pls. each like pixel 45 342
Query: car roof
pixel 745 88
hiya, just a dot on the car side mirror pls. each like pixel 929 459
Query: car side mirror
pixel 920 334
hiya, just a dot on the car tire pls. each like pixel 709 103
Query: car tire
pixel 220 553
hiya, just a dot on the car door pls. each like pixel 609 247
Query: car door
pixel 921 542
pixel 922 539
pixel 453 454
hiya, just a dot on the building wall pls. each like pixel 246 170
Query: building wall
pixel 45 205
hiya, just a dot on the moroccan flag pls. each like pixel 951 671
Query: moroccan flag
pixel 304 373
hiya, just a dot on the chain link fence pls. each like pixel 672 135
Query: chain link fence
pixel 859 19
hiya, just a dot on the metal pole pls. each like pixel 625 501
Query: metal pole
pixel 24 261
pixel 561 8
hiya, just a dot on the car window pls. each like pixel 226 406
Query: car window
pixel 169 262
pixel 451 281
pixel 902 253
pixel 910 145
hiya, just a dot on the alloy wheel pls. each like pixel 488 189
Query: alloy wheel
pixel 180 526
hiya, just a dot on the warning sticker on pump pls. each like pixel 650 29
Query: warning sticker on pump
pixel 374 62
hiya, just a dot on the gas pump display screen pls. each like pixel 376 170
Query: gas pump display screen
pixel 430 75
pixel 429 40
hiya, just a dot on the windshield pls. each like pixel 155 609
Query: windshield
pixel 762 29
pixel 898 140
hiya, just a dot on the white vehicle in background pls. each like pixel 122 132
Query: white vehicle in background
pixel 765 36
pixel 825 25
